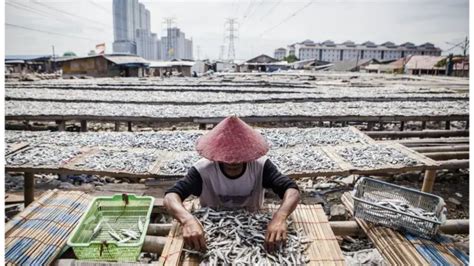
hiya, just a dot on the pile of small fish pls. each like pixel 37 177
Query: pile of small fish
pixel 121 236
pixel 131 161
pixel 183 140
pixel 237 237
pixel 290 137
pixel 405 207
pixel 300 160
pixel 355 108
pixel 43 156
pixel 180 164
pixel 162 140
pixel 373 156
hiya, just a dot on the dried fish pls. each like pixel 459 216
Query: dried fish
pixel 373 156
pixel 115 235
pixel 131 161
pixel 300 160
pixel 180 164
pixel 43 155
pixel 235 237
pixel 141 225
pixel 96 231
pixel 355 108
pixel 291 137
pixel 130 233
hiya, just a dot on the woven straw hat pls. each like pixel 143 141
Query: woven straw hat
pixel 232 141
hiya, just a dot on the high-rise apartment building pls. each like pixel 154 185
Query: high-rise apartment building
pixel 132 30
pixel 175 45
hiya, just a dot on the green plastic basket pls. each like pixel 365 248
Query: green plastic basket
pixel 111 210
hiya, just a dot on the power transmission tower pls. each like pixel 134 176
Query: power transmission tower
pixel 231 35
pixel 170 36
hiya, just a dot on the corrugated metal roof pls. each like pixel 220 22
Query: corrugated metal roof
pixel 424 62
pixel 25 57
pixel 348 65
pixel 126 59
pixel 171 63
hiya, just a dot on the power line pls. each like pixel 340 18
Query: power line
pixel 287 18
pixel 43 13
pixel 271 10
pixel 48 32
pixel 99 6
pixel 464 45
pixel 62 12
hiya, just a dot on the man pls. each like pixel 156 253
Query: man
pixel 233 174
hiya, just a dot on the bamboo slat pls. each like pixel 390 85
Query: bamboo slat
pixel 324 250
pixel 394 247
pixel 16 147
pixel 171 254
pixel 39 233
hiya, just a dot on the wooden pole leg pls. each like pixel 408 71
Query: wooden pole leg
pixel 467 124
pixel 83 126
pixel 117 126
pixel 402 125
pixel 428 181
pixel 130 126
pixel 448 125
pixel 202 126
pixel 62 125
pixel 370 126
pixel 423 125
pixel 29 188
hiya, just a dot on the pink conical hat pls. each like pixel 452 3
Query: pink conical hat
pixel 232 141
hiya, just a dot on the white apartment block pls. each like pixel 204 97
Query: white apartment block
pixel 332 52
pixel 280 53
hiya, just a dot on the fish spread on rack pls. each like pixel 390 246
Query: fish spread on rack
pixel 237 237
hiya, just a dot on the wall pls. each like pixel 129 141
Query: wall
pixel 94 66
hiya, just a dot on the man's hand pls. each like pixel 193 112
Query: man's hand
pixel 193 234
pixel 276 234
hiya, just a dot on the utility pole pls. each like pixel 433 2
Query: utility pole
pixel 169 24
pixel 54 61
pixel 231 35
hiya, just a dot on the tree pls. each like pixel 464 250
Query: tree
pixel 290 59
pixel 69 53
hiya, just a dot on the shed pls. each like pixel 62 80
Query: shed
pixel 351 65
pixel 425 64
pixel 264 63
pixel 113 65
pixel 160 68
pixel 23 64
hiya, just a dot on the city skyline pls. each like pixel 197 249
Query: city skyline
pixel 264 26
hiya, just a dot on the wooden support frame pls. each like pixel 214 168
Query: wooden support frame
pixel 61 125
pixel 428 181
pixel 129 126
pixel 83 125
pixel 447 125
pixel 117 126
pixel 402 125
pixel 29 188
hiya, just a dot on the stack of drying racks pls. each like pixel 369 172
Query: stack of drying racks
pixel 37 235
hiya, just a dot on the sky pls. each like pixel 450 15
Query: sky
pixel 33 27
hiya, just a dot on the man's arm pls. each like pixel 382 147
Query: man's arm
pixel 193 233
pixel 287 189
